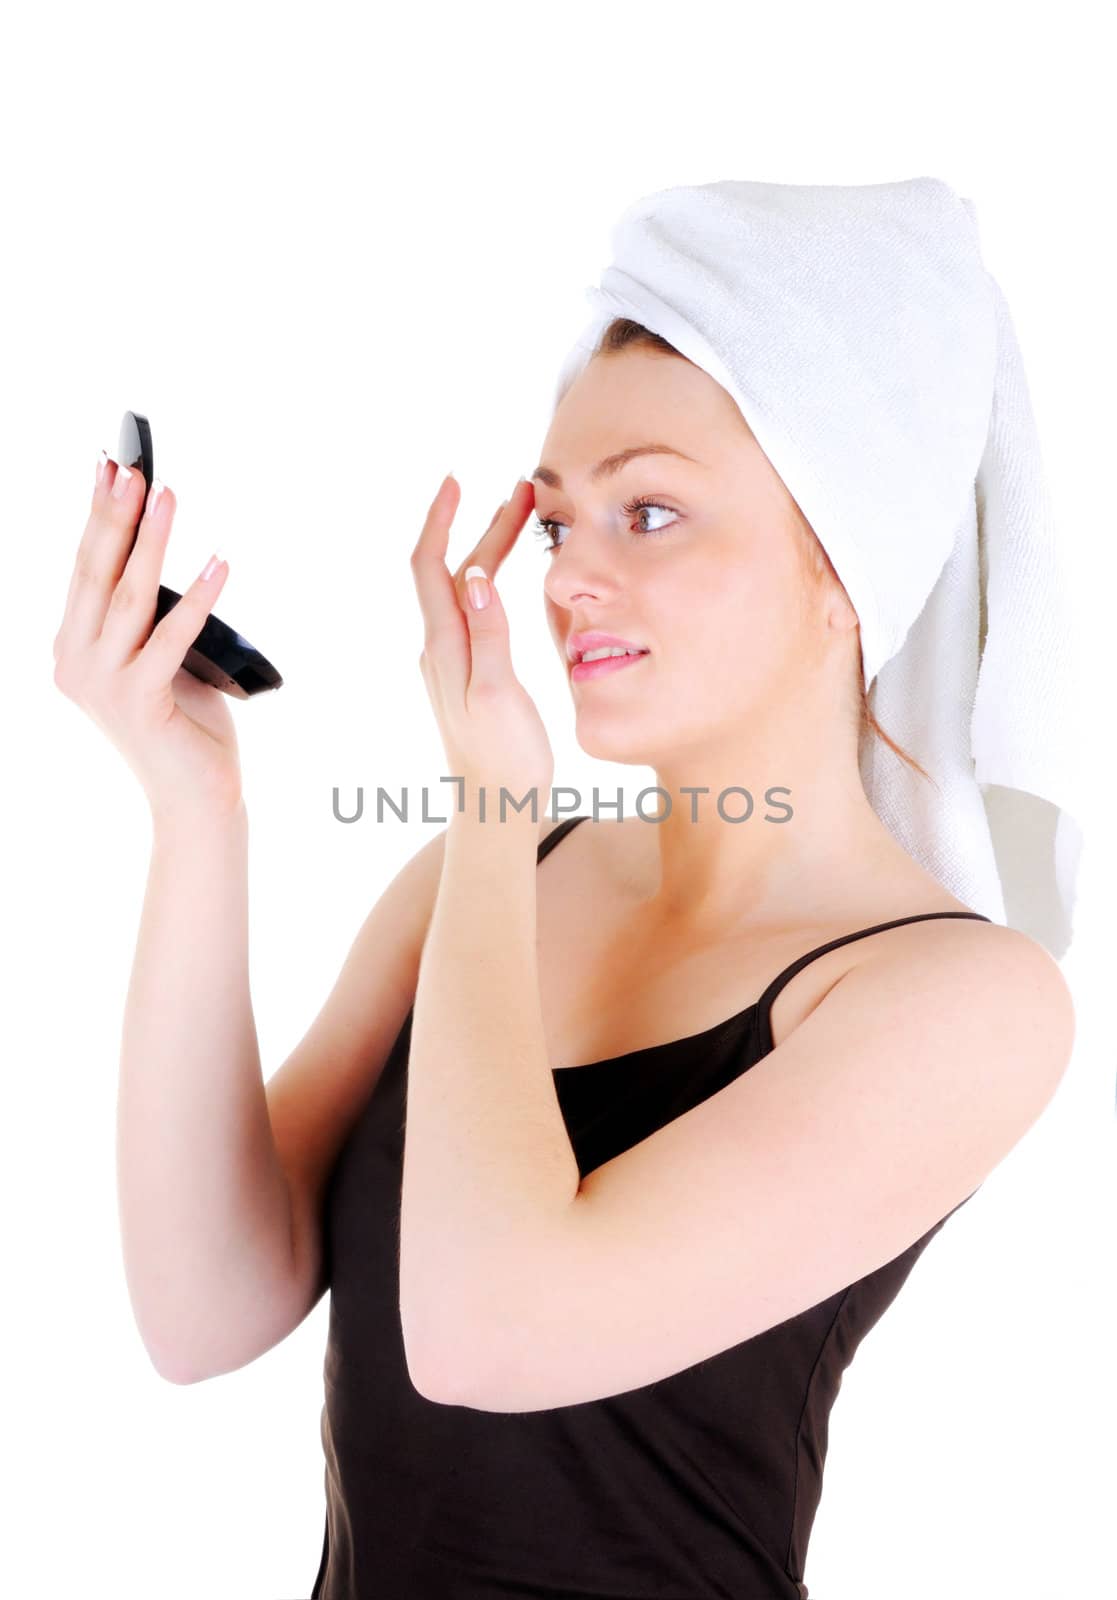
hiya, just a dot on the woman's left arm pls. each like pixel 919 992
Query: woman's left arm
pixel 488 1168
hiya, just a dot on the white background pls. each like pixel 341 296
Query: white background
pixel 332 254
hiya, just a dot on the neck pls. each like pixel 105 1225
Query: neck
pixel 802 849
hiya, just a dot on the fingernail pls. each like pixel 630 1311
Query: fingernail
pixel 121 482
pixel 210 567
pixel 153 497
pixel 477 587
pixel 101 460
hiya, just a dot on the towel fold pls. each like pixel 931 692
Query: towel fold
pixel 875 360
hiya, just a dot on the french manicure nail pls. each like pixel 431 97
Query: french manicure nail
pixel 477 587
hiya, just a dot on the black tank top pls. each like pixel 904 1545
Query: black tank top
pixel 704 1484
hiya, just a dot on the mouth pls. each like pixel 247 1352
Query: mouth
pixel 600 666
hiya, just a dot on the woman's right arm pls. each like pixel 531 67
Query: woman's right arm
pixel 204 1206
pixel 203 1202
pixel 200 1189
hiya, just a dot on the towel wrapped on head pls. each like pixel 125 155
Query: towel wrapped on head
pixel 874 359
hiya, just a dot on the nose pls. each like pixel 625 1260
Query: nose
pixel 579 570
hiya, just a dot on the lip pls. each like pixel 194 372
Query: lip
pixel 593 640
pixel 597 669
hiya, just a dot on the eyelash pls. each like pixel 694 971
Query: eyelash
pixel 542 529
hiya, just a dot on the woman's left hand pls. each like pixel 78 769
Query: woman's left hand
pixel 491 729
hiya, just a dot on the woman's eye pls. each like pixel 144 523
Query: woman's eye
pixel 544 529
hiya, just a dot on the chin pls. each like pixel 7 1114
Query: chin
pixel 616 743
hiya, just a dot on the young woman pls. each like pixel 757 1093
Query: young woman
pixel 682 1108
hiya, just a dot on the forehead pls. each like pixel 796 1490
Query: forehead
pixel 635 397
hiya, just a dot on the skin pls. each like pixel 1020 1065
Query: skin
pixel 753 672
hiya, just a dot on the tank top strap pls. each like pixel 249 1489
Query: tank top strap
pixel 556 834
pixel 765 1002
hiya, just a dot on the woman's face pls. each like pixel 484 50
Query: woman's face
pixel 709 579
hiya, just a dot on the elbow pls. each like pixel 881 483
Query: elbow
pixel 436 1365
pixel 432 1388
pixel 172 1370
pixel 176 1375
pixel 458 1330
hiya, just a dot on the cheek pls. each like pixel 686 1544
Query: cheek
pixel 737 615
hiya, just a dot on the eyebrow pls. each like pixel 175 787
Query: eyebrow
pixel 613 464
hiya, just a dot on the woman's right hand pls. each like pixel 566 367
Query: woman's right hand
pixel 175 732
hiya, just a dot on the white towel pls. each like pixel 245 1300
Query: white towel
pixel 874 358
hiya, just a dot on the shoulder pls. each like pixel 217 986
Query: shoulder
pixel 979 982
pixel 999 960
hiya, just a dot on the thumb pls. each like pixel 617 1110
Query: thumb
pixel 491 662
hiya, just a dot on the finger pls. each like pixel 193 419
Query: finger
pixel 132 604
pixel 106 471
pixel 102 552
pixel 490 654
pixel 446 635
pixel 164 653
pixel 489 647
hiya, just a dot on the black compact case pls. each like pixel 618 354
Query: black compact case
pixel 219 655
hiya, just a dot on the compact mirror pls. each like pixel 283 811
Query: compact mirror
pixel 219 655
